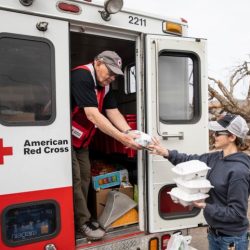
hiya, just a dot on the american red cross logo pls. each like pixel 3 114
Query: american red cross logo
pixel 4 151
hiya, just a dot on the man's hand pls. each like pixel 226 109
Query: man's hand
pixel 128 140
pixel 108 128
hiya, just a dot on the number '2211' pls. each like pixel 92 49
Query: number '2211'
pixel 137 21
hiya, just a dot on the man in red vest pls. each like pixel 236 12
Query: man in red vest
pixel 90 96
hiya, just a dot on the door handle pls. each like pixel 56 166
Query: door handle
pixel 166 136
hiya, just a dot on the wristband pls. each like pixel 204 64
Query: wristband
pixel 127 131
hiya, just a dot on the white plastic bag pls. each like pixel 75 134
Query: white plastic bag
pixel 179 242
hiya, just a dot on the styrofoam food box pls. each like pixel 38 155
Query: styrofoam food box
pixel 144 139
pixel 185 199
pixel 194 186
pixel 191 169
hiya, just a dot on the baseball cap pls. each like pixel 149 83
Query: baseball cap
pixel 235 124
pixel 112 61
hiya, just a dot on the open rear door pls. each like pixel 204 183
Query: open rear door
pixel 176 114
pixel 36 201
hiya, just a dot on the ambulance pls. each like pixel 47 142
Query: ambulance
pixel 164 89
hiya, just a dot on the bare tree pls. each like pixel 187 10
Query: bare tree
pixel 226 98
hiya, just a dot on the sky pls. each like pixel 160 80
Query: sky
pixel 225 24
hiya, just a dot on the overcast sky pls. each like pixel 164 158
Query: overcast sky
pixel 226 25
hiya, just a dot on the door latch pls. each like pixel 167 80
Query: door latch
pixel 166 136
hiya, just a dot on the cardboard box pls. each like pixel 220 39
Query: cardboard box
pixel 100 198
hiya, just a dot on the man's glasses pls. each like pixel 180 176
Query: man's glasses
pixel 110 72
pixel 218 133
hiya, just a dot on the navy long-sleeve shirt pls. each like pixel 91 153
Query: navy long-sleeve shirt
pixel 226 207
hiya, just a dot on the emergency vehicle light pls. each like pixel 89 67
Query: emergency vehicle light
pixel 170 27
pixel 73 8
pixel 184 20
pixel 111 7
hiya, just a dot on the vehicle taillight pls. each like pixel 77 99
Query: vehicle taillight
pixel 164 241
pixel 153 244
pixel 73 8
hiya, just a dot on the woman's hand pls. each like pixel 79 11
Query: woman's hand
pixel 156 148
pixel 200 204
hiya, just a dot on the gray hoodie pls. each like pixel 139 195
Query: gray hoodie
pixel 226 208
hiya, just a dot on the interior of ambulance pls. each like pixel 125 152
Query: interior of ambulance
pixel 113 167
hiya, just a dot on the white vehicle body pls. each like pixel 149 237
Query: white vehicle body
pixel 168 96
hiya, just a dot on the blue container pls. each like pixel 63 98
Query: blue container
pixel 113 180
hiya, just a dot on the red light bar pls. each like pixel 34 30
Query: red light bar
pixel 69 7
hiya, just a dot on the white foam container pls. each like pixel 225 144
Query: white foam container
pixel 144 139
pixel 191 169
pixel 194 186
pixel 185 199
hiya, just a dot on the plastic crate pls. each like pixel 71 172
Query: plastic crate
pixel 108 145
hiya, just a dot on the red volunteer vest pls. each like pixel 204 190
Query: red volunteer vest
pixel 83 130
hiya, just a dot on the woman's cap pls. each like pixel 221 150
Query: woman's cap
pixel 112 61
pixel 235 124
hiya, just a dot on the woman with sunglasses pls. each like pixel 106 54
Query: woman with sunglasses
pixel 226 208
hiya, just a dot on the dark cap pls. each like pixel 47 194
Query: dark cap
pixel 235 124
pixel 112 61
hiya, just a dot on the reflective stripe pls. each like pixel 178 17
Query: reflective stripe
pixel 92 71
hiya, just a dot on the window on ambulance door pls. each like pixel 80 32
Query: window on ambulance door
pixel 130 79
pixel 27 80
pixel 179 88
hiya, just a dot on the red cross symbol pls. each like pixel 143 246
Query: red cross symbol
pixel 4 151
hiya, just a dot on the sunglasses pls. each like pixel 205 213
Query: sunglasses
pixel 218 133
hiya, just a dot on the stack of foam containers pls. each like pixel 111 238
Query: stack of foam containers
pixel 191 182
